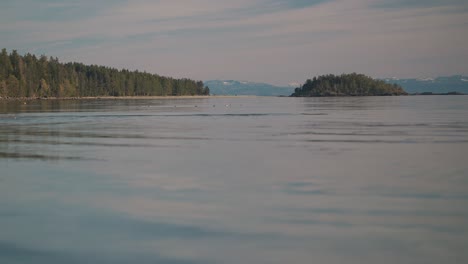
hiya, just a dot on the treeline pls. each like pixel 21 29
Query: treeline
pixel 29 76
pixel 347 85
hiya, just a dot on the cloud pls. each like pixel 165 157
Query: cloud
pixel 418 3
pixel 263 40
pixel 12 253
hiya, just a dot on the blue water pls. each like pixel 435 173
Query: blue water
pixel 235 180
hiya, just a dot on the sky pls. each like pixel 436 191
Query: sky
pixel 273 41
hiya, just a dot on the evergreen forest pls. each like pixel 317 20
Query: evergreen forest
pixel 347 85
pixel 31 76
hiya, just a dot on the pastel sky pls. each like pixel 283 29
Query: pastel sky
pixel 275 41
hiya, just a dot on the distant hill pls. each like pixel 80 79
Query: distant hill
pixel 231 87
pixel 455 83
pixel 346 85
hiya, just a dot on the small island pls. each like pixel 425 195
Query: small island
pixel 347 85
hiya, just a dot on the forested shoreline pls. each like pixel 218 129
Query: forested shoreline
pixel 347 85
pixel 28 76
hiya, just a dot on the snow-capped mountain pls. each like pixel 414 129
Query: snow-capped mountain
pixel 294 84
pixel 232 87
pixel 455 83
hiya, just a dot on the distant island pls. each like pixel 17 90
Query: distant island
pixel 347 85
pixel 31 77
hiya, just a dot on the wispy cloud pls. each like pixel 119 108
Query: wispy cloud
pixel 418 3
pixel 262 40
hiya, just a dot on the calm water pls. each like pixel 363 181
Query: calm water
pixel 235 180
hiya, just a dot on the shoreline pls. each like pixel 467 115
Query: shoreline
pixel 13 99
pixel 123 97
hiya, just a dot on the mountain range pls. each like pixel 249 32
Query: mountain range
pixel 231 87
pixel 455 83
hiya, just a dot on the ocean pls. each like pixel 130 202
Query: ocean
pixel 235 180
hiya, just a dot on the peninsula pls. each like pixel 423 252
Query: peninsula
pixel 31 77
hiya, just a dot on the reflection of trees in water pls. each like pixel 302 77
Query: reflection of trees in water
pixel 30 142
pixel 54 130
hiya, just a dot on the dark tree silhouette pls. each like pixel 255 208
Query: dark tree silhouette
pixel 346 85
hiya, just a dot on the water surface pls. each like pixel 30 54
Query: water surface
pixel 235 180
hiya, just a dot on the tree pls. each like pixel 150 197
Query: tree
pixel 3 89
pixel 206 91
pixel 5 65
pixel 13 87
